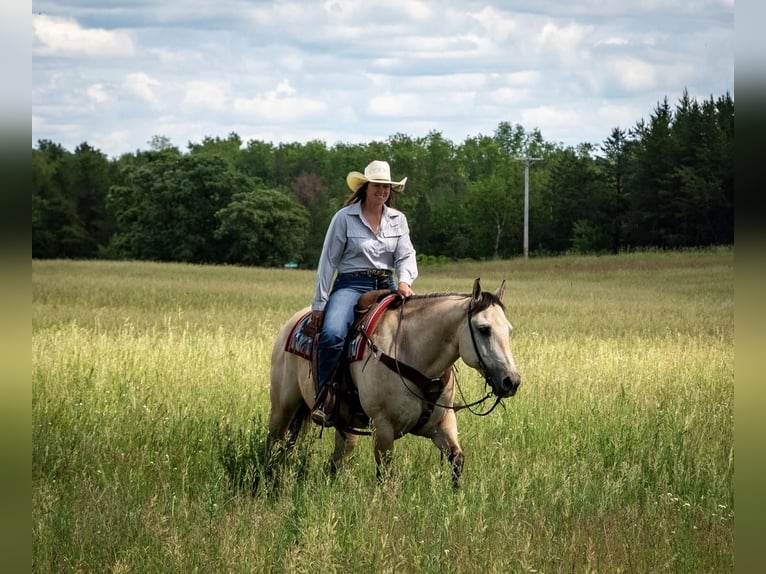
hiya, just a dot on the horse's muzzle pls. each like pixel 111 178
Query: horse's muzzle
pixel 508 386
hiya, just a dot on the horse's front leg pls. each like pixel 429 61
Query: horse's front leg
pixel 445 438
pixel 383 436
pixel 344 446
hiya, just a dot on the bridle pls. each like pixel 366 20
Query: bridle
pixel 482 369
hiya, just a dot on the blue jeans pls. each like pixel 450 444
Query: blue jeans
pixel 338 318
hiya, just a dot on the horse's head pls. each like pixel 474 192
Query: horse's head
pixel 485 343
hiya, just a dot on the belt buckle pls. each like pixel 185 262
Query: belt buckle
pixel 374 273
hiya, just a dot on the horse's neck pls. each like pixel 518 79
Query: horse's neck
pixel 429 333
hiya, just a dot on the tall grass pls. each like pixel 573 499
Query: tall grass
pixel 150 393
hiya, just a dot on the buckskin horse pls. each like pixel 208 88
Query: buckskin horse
pixel 404 381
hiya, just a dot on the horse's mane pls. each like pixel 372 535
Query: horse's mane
pixel 486 299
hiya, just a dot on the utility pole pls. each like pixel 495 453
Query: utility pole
pixel 527 161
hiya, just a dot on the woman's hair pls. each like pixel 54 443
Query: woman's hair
pixel 361 194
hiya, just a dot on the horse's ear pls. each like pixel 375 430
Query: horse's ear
pixel 476 290
pixel 500 290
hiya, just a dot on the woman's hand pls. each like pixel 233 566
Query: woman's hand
pixel 405 290
pixel 316 318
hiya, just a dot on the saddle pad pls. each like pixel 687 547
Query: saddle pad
pixel 300 344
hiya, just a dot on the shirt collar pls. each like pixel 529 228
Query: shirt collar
pixel 356 209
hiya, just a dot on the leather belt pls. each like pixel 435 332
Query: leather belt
pixel 376 273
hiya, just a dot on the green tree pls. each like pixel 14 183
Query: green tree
pixel 490 209
pixel 493 207
pixel 651 217
pixel 227 149
pixel 257 162
pixel 262 227
pixel 52 212
pixel 565 185
pixel 701 199
pixel 160 143
pixel 719 122
pixel 90 174
pixel 69 215
pixel 166 210
pixel 614 166
pixel 442 188
pixel 451 234
pixel 479 156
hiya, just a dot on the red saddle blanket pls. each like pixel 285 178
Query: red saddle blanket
pixel 300 343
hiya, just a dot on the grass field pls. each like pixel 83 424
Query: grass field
pixel 150 389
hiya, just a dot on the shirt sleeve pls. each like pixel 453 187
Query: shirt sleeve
pixel 332 250
pixel 405 261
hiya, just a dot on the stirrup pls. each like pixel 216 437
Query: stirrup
pixel 320 417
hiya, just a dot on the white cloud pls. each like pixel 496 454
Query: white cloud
pixel 613 41
pixel 545 116
pixel 508 96
pixel 567 42
pixel 279 105
pixel 97 94
pixel 614 115
pixel 65 37
pixel 206 94
pixel 397 105
pixel 283 89
pixel 120 140
pixel 169 57
pixel 414 105
pixel 499 27
pixel 634 74
pixel 141 85
pixel 426 83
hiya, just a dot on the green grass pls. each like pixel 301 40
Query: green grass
pixel 150 392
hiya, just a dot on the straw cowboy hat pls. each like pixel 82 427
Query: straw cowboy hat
pixel 376 171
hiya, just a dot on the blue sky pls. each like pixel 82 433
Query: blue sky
pixel 115 73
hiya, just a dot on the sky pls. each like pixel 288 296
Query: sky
pixel 114 74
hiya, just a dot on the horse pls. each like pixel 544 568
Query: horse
pixel 421 340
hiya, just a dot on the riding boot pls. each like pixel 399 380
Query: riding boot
pixel 324 407
pixel 323 411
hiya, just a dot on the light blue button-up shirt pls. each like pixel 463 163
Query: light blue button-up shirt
pixel 351 245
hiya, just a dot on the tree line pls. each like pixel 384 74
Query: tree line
pixel 667 182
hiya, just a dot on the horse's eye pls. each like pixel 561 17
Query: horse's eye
pixel 485 330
